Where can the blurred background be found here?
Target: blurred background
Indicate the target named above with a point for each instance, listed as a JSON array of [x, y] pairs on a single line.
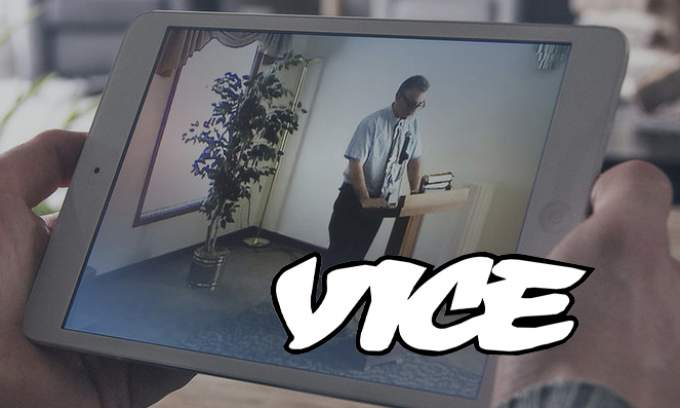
[[55, 56]]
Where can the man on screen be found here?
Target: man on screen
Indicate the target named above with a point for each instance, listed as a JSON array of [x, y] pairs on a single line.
[[385, 145]]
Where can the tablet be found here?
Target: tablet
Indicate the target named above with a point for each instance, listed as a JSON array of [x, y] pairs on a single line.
[[227, 147]]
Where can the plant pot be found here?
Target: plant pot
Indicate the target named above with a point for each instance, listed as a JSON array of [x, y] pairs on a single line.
[[206, 268]]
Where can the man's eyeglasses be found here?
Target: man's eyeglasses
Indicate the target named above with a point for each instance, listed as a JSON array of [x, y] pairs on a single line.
[[413, 105]]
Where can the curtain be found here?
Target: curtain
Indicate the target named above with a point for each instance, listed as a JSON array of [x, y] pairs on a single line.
[[181, 45], [550, 56]]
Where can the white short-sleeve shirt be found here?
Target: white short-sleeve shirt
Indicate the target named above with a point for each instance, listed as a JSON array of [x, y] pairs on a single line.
[[371, 146]]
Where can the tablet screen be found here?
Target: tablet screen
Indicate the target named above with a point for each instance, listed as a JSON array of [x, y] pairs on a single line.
[[254, 149]]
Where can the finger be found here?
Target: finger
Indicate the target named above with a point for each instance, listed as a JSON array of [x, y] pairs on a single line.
[[35, 169], [119, 383], [629, 224], [23, 238], [150, 384], [634, 193], [50, 220]]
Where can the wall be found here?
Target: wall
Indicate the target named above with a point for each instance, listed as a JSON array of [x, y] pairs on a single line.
[[118, 243], [487, 118], [191, 102]]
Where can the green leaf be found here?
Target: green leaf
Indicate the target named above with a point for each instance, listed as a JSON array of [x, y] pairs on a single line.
[[242, 134]]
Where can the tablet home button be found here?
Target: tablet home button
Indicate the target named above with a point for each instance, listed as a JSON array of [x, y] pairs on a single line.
[[553, 217]]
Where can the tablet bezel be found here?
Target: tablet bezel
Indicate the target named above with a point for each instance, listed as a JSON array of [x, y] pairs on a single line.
[[583, 114]]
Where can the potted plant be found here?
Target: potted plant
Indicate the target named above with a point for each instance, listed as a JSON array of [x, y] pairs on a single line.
[[241, 139]]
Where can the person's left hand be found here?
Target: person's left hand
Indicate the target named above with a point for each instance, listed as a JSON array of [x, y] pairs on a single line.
[[374, 203], [34, 376]]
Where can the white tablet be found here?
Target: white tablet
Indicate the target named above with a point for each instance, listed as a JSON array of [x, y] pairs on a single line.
[[227, 147]]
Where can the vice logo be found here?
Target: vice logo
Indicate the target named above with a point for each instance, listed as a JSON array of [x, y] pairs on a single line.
[[502, 305]]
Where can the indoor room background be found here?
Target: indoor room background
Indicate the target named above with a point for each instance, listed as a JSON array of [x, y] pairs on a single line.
[[488, 113]]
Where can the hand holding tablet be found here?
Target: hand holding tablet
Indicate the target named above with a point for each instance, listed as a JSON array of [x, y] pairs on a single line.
[[114, 278], [633, 288], [38, 376]]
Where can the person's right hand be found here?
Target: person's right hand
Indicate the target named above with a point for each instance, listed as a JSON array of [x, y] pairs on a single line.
[[628, 310], [374, 203]]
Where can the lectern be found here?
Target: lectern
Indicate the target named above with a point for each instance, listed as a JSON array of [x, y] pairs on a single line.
[[410, 212]]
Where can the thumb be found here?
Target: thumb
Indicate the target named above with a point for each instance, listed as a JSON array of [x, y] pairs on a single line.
[[635, 193]]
